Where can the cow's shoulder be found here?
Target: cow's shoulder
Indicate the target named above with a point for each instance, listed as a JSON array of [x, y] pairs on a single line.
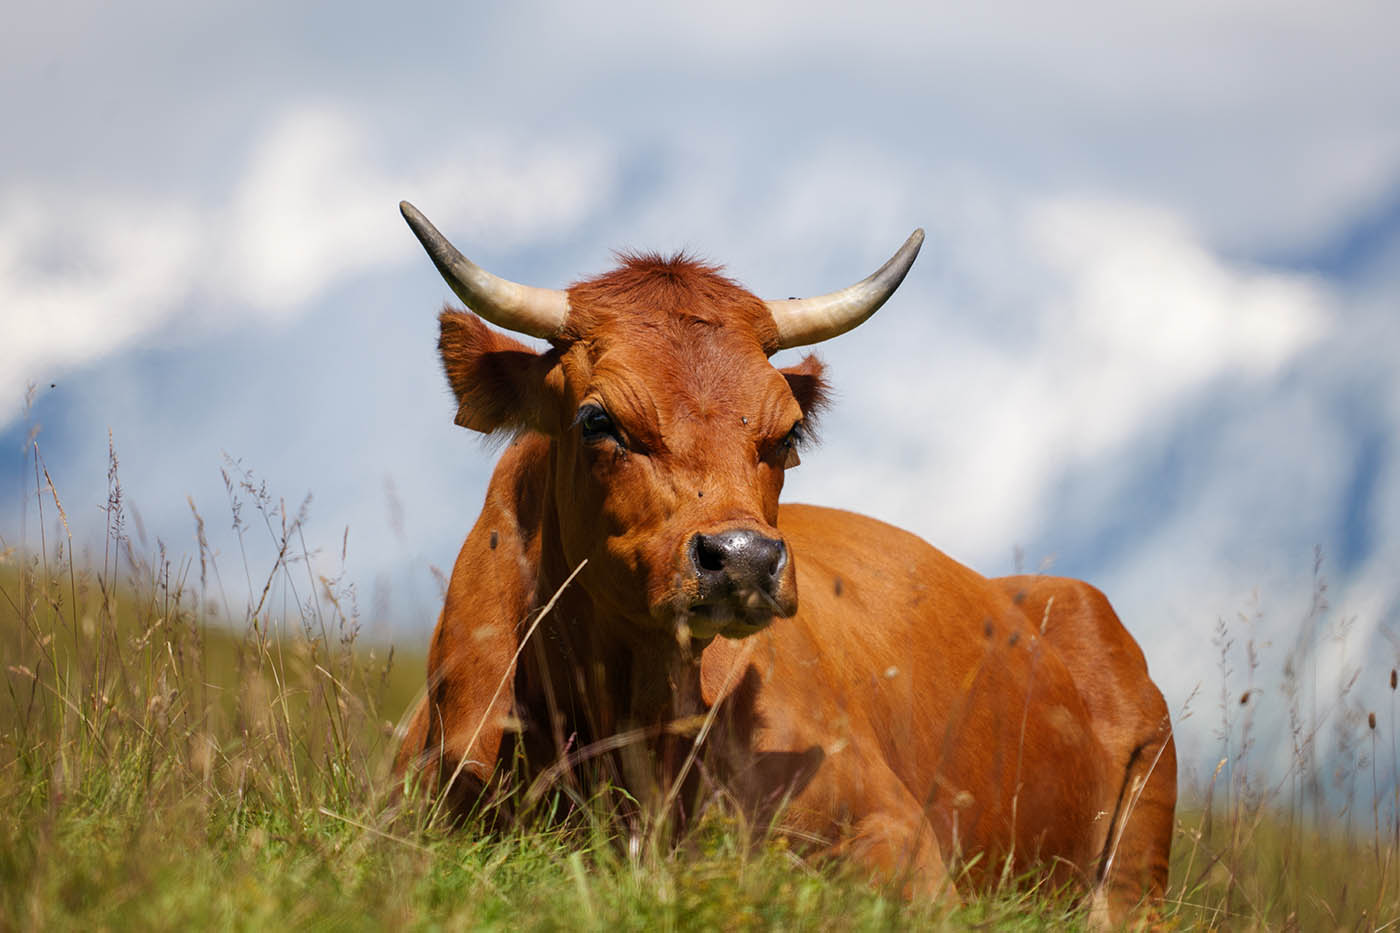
[[497, 567]]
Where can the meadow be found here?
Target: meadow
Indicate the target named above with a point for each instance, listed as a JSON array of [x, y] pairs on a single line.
[[204, 740]]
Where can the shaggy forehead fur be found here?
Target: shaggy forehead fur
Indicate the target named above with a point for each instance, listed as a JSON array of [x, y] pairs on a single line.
[[679, 295]]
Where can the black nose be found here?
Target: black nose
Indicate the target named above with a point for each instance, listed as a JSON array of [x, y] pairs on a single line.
[[741, 557]]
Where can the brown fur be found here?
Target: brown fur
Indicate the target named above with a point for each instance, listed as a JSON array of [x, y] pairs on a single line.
[[911, 713]]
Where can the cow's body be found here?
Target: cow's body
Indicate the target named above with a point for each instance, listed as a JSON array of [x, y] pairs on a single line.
[[904, 710]]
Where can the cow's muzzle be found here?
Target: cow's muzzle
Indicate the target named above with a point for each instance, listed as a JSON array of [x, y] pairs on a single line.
[[739, 581]]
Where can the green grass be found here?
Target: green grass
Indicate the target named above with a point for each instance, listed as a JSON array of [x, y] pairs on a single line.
[[176, 756]]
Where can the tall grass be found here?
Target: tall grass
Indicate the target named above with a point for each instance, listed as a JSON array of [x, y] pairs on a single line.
[[204, 741], [1297, 826], [148, 704]]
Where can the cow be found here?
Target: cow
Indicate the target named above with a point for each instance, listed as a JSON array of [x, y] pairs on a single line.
[[837, 679]]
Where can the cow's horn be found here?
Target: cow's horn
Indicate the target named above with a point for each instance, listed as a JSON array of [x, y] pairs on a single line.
[[811, 320], [539, 312]]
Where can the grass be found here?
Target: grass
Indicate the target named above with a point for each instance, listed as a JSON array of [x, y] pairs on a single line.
[[176, 752]]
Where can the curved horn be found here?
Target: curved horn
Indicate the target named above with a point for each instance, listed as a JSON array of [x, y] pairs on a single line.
[[811, 320], [539, 312]]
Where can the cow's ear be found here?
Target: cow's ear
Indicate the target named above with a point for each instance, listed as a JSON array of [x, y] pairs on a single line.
[[807, 382], [498, 381]]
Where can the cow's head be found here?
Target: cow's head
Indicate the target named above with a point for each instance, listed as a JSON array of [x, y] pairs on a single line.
[[671, 429]]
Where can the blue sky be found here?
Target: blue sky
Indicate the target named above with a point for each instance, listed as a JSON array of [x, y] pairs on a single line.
[[1150, 339]]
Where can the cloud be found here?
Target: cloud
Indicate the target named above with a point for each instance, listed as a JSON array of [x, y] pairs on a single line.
[[312, 208], [1145, 312], [83, 276], [1124, 317], [309, 210], [1269, 126]]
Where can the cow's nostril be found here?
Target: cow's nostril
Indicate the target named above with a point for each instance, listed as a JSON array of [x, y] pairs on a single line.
[[779, 560], [709, 553]]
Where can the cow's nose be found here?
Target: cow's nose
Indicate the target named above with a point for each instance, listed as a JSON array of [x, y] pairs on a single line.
[[740, 556]]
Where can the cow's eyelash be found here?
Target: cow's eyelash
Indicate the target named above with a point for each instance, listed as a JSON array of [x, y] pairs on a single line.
[[596, 423], [792, 442]]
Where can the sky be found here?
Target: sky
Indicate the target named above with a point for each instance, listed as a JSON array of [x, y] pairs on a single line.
[[1149, 341]]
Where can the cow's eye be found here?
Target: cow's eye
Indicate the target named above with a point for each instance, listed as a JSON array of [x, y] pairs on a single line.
[[596, 424], [792, 442]]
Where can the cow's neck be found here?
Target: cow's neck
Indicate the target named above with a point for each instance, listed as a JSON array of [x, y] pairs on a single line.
[[625, 675]]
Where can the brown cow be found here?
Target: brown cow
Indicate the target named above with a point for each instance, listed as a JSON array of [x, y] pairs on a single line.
[[905, 711]]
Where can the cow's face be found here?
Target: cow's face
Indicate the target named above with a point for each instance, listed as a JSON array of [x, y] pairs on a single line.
[[676, 437], [672, 435], [671, 430]]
